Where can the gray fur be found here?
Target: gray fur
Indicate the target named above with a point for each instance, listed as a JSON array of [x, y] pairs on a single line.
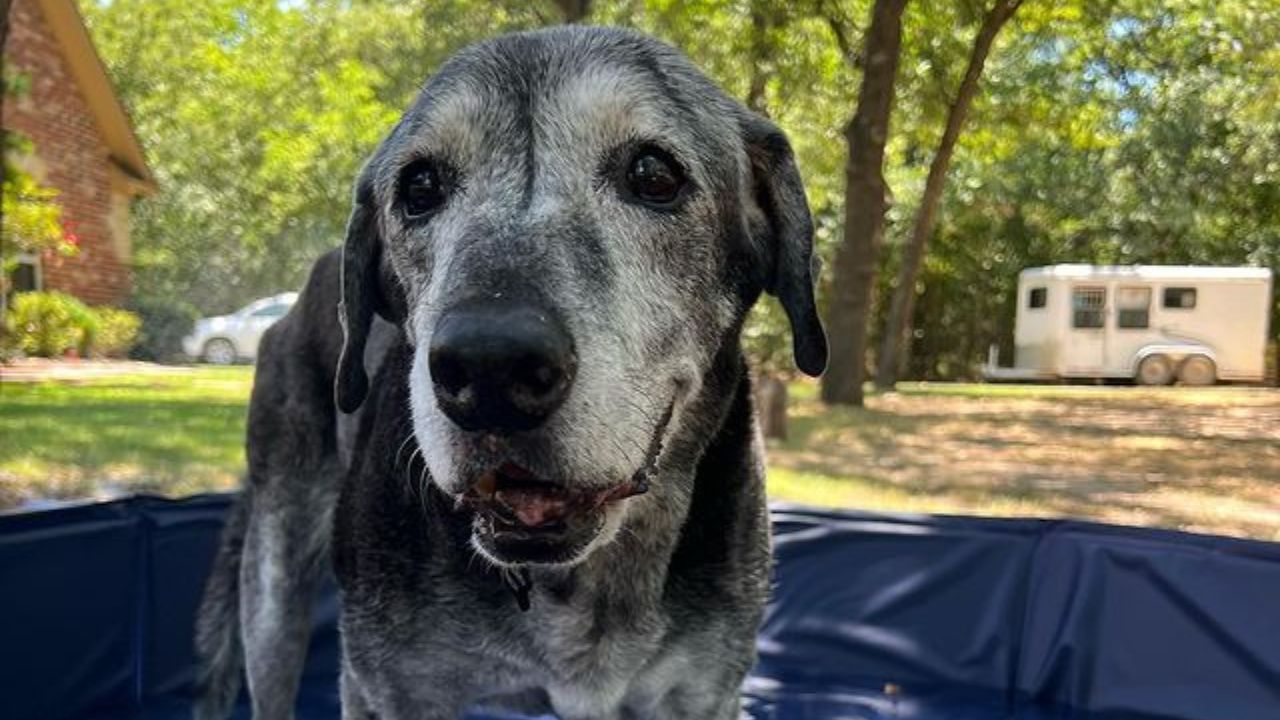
[[255, 612], [654, 614]]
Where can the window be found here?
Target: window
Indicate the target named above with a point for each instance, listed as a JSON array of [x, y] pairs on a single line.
[[1180, 298], [277, 310], [1087, 304], [26, 273], [1133, 306], [1037, 298]]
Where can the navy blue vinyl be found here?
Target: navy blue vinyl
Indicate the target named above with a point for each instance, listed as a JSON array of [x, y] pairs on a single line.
[[873, 617]]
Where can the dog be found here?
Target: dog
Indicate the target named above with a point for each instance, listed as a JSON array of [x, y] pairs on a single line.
[[550, 497]]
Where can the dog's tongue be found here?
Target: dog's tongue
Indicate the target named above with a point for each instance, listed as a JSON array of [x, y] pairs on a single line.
[[534, 507]]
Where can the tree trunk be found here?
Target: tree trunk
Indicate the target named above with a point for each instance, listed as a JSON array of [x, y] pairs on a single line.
[[4, 23], [771, 406], [854, 271], [574, 11], [760, 54], [1275, 369], [898, 324]]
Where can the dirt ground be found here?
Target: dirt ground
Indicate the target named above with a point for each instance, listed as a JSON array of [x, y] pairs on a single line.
[[32, 370], [1205, 460]]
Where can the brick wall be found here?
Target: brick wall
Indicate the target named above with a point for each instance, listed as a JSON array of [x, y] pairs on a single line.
[[70, 156]]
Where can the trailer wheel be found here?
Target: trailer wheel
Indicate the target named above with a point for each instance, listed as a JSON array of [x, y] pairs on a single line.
[[1198, 371], [1155, 370]]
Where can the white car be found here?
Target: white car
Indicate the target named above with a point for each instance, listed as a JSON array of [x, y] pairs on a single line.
[[225, 339]]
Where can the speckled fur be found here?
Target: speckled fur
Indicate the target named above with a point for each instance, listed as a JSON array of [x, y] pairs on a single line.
[[656, 616]]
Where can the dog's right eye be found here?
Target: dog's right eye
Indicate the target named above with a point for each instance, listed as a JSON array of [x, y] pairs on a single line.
[[423, 189], [654, 178]]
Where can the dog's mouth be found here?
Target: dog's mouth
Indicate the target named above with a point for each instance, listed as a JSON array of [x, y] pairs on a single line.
[[522, 517], [520, 501]]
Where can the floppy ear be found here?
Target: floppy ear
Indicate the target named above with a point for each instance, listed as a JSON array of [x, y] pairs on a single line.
[[792, 266], [368, 286]]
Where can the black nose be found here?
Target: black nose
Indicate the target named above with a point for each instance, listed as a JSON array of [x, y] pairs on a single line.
[[500, 367]]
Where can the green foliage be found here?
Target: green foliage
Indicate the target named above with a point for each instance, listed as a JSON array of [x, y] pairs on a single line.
[[49, 324], [767, 340], [85, 319], [32, 218], [117, 331], [1112, 132], [1126, 131], [164, 322], [257, 115]]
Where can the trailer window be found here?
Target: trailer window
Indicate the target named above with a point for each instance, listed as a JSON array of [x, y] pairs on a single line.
[[1037, 298], [1133, 307], [1180, 298], [1087, 305]]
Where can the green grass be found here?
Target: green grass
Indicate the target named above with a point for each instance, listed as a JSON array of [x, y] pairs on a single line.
[[172, 433], [864, 493], [1205, 460]]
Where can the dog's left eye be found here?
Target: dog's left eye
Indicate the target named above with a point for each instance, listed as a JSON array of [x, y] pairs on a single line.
[[654, 177], [423, 189]]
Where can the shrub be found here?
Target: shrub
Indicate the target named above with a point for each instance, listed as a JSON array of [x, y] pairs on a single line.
[[86, 321], [48, 324], [164, 324], [117, 331]]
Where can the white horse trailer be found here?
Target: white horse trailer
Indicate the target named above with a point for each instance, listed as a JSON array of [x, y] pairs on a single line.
[[1154, 324]]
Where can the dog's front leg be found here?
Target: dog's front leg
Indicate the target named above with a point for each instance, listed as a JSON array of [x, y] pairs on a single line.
[[354, 704], [278, 576], [701, 699], [387, 695], [727, 707]]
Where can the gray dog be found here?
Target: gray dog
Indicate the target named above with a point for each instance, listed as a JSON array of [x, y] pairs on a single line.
[[554, 501]]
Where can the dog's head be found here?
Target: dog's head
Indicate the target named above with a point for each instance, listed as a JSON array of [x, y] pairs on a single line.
[[569, 224]]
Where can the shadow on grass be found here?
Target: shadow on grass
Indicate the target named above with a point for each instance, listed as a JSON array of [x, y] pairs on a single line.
[[1206, 466]]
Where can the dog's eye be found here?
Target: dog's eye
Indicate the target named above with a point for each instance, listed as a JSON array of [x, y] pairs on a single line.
[[423, 189], [654, 177]]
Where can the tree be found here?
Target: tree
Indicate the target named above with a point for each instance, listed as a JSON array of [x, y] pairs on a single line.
[[30, 216], [1105, 131], [857, 256], [256, 116], [574, 11], [898, 323]]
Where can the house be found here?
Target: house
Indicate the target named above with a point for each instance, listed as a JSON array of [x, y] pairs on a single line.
[[84, 146]]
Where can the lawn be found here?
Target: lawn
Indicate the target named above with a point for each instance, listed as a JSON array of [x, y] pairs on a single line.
[[174, 433], [1205, 460]]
